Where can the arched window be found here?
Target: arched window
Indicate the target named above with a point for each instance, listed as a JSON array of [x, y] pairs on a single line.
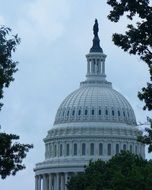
[[61, 149], [67, 149], [130, 148], [86, 112], [92, 112], [91, 149], [99, 112], [109, 149], [83, 149], [124, 147], [117, 148], [75, 149], [100, 149], [55, 150]]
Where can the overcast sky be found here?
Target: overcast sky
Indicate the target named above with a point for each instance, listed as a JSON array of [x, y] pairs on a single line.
[[55, 37]]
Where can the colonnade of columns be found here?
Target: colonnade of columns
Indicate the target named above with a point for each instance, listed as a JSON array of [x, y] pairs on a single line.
[[52, 181]]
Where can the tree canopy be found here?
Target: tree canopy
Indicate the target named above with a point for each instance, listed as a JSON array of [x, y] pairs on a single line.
[[11, 151], [137, 40], [124, 171]]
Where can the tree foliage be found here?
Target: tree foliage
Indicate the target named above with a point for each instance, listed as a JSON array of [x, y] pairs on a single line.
[[12, 152], [124, 171], [7, 65], [147, 137], [137, 39]]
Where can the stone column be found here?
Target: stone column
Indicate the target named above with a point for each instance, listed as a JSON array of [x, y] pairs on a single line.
[[36, 182], [39, 182], [103, 67], [50, 181], [92, 66], [88, 67], [99, 62], [47, 182], [66, 180], [57, 181], [62, 182], [44, 182]]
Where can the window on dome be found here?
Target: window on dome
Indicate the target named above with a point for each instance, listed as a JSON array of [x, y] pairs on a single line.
[[73, 112], [55, 153], [83, 149], [106, 112], [68, 113], [67, 149], [124, 114], [124, 147], [86, 112], [128, 114], [100, 149], [113, 113], [118, 113], [79, 112], [91, 149], [130, 148], [109, 149], [92, 112], [61, 150], [117, 148], [99, 112], [63, 113], [75, 149]]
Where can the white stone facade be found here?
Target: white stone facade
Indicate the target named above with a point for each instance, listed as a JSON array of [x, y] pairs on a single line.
[[94, 122]]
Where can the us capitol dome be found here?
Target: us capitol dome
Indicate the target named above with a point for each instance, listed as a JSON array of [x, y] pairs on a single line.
[[93, 122]]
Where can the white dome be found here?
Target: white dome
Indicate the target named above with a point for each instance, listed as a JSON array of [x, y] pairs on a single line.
[[95, 102], [93, 122]]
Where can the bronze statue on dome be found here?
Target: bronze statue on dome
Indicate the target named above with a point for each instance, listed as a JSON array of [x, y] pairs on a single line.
[[96, 28]]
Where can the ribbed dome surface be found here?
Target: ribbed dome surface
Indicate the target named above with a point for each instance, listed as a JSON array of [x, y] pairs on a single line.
[[95, 103]]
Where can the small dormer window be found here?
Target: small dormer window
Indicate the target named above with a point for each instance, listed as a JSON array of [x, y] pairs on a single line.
[[99, 112], [113, 113], [68, 113], [106, 112], [73, 112], [86, 112], [124, 114], [118, 113], [79, 112], [92, 112]]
